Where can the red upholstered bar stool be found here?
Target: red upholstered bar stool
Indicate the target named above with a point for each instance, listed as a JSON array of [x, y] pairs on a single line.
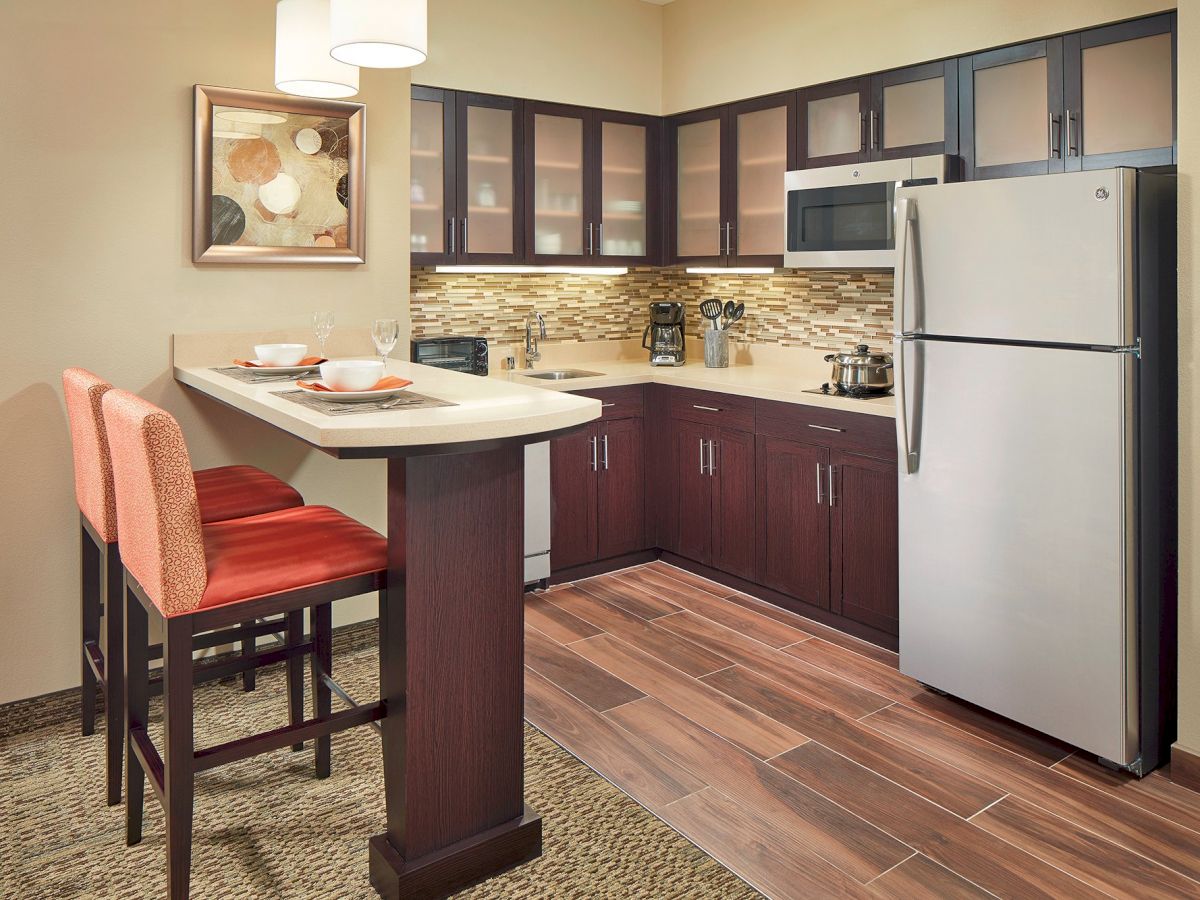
[[227, 492], [191, 578]]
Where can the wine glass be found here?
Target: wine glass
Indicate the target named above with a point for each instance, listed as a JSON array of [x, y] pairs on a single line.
[[322, 326], [385, 333]]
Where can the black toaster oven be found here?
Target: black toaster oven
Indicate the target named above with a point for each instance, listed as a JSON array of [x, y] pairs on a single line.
[[455, 354]]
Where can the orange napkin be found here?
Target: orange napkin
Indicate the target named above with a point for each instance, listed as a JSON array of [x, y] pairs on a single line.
[[383, 384], [307, 361]]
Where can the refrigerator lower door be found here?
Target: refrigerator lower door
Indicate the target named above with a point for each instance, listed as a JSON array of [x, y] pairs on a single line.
[[1045, 259], [1017, 536]]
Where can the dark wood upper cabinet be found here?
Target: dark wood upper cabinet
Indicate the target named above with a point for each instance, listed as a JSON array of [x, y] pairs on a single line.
[[1011, 111], [490, 179], [726, 167], [433, 180], [627, 187], [914, 111], [864, 552], [1120, 96], [834, 123]]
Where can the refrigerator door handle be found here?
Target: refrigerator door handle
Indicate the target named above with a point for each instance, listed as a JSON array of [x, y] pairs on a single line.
[[907, 213], [908, 459]]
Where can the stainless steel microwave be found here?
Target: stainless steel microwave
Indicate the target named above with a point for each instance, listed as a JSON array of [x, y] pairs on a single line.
[[843, 217]]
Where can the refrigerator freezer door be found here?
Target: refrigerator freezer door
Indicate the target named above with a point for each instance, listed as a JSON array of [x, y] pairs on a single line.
[[1046, 259], [1017, 536]]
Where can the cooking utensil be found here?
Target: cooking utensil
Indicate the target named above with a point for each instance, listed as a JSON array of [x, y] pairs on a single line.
[[861, 371], [735, 315], [711, 310], [728, 310]]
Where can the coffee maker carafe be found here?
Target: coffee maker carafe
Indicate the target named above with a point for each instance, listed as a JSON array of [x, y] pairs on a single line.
[[663, 337]]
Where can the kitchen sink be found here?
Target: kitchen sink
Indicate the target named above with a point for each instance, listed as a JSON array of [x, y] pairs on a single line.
[[560, 374]]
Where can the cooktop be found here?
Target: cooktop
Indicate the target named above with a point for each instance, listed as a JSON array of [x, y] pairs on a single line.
[[833, 391]]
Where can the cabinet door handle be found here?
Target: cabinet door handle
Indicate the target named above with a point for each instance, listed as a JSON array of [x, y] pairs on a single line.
[[874, 118], [606, 453], [706, 408], [453, 234], [832, 495], [600, 239], [862, 133], [712, 459], [592, 444], [1072, 150], [820, 499], [826, 427], [702, 456], [464, 236], [1055, 150], [589, 234], [729, 239]]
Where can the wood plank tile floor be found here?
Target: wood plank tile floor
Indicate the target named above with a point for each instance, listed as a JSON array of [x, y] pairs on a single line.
[[804, 761]]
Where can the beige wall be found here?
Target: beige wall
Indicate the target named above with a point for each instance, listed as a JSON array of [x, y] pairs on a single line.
[[1189, 386], [605, 53], [95, 271], [715, 51]]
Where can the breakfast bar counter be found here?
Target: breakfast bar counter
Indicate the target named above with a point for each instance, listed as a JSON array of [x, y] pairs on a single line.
[[450, 621]]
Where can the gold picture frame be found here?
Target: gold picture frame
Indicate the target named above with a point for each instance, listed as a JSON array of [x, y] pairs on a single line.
[[246, 141]]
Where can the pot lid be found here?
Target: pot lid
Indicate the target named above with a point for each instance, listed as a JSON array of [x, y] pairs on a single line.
[[860, 356]]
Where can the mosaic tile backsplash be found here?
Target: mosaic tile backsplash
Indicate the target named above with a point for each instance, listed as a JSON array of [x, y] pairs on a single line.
[[812, 309]]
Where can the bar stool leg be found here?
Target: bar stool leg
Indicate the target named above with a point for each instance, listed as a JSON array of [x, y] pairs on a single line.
[[137, 710], [178, 775], [248, 647], [114, 670], [295, 672], [322, 663], [89, 602]]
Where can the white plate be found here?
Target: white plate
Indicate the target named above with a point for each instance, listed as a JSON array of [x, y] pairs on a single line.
[[352, 396], [279, 370]]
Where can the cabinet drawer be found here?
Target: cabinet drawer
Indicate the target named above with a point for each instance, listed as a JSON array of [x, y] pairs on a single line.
[[869, 435], [712, 408], [625, 402]]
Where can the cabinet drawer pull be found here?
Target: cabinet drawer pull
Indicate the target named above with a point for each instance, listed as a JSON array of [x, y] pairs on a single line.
[[826, 427], [706, 408], [606, 405]]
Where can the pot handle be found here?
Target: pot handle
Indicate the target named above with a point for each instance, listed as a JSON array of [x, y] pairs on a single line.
[[883, 366], [829, 357]]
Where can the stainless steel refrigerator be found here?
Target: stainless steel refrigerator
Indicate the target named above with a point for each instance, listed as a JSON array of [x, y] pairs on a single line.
[[1035, 380]]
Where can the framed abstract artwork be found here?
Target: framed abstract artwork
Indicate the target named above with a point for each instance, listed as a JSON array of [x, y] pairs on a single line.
[[278, 179]]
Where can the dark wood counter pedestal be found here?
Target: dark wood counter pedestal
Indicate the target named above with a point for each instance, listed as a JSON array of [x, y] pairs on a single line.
[[451, 663]]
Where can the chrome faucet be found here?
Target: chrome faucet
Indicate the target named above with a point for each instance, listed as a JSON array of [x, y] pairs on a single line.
[[532, 354]]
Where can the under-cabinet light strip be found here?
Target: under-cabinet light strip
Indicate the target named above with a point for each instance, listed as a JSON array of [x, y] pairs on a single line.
[[533, 270]]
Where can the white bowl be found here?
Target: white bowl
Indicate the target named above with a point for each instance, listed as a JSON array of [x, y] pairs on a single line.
[[280, 354], [352, 374]]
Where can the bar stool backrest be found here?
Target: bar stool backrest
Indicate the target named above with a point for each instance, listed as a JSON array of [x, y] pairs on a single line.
[[89, 446], [158, 516]]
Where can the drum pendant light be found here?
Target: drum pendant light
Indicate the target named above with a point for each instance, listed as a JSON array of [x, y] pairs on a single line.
[[303, 65], [379, 34]]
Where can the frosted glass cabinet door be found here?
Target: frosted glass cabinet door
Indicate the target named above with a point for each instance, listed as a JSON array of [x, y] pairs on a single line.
[[1120, 94], [762, 142], [558, 223], [623, 194], [1013, 118], [914, 113], [489, 189], [699, 227], [833, 118], [431, 200]]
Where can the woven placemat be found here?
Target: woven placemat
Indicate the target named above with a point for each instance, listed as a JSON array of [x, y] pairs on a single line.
[[407, 400], [260, 376]]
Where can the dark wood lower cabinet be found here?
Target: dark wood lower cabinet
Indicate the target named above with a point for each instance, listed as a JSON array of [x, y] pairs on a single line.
[[694, 491], [734, 503], [793, 521], [573, 524], [620, 489], [864, 561]]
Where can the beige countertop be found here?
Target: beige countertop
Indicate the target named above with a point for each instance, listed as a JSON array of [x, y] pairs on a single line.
[[760, 381], [486, 409]]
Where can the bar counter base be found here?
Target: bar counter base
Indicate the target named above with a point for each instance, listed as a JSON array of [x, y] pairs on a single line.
[[458, 866]]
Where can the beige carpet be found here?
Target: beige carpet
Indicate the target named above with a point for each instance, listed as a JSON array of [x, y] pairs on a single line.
[[266, 828]]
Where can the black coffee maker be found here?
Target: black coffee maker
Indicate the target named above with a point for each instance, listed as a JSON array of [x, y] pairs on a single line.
[[663, 337]]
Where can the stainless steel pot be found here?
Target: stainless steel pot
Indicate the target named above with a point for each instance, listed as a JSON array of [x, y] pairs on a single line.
[[861, 372]]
